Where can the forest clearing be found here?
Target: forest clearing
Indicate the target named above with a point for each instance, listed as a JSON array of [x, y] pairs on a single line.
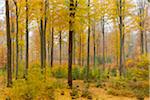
[[74, 49]]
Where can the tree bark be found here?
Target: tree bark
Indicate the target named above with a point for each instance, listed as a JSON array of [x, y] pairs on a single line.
[[17, 45], [60, 46], [94, 45], [80, 50], [88, 47], [27, 42], [121, 38], [103, 36], [52, 48], [146, 44], [9, 68], [13, 43], [74, 49], [44, 33], [141, 15], [70, 47]]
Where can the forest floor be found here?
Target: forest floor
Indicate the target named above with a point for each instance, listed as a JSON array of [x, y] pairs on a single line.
[[97, 93], [64, 94]]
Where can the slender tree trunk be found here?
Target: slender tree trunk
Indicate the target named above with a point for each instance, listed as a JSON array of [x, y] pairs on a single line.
[[13, 44], [44, 33], [82, 54], [80, 49], [141, 13], [13, 61], [103, 34], [60, 47], [146, 46], [74, 49], [9, 68], [27, 42], [52, 48], [17, 45], [49, 50], [94, 44], [121, 38], [70, 47], [88, 47]]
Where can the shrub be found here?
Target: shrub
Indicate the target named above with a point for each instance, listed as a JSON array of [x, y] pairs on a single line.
[[76, 73], [34, 88], [59, 72]]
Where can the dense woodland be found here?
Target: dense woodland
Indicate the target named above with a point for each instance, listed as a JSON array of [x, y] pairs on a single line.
[[74, 49]]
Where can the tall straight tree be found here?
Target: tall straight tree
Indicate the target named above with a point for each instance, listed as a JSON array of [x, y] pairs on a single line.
[[52, 39], [103, 36], [60, 46], [13, 42], [88, 47], [94, 43], [41, 41], [9, 68], [44, 33], [52, 46], [71, 32], [141, 24], [17, 45], [27, 41], [121, 36]]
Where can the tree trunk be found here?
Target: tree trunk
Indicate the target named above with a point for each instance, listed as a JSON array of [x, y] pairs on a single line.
[[17, 45], [27, 42], [70, 47], [88, 47], [74, 49], [60, 46], [80, 49], [41, 43], [44, 33], [49, 50], [141, 14], [9, 68], [52, 48], [146, 44], [13, 43], [94, 44], [121, 38], [103, 34]]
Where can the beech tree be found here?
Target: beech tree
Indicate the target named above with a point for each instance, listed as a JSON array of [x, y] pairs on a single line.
[[9, 68]]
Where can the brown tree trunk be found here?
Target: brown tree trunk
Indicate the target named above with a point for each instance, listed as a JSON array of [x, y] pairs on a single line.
[[74, 49], [13, 43], [9, 68], [60, 46], [94, 45], [80, 50], [44, 34], [88, 47], [52, 48], [121, 38], [41, 40], [141, 15], [103, 36], [146, 44], [17, 45], [70, 47], [27, 42]]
